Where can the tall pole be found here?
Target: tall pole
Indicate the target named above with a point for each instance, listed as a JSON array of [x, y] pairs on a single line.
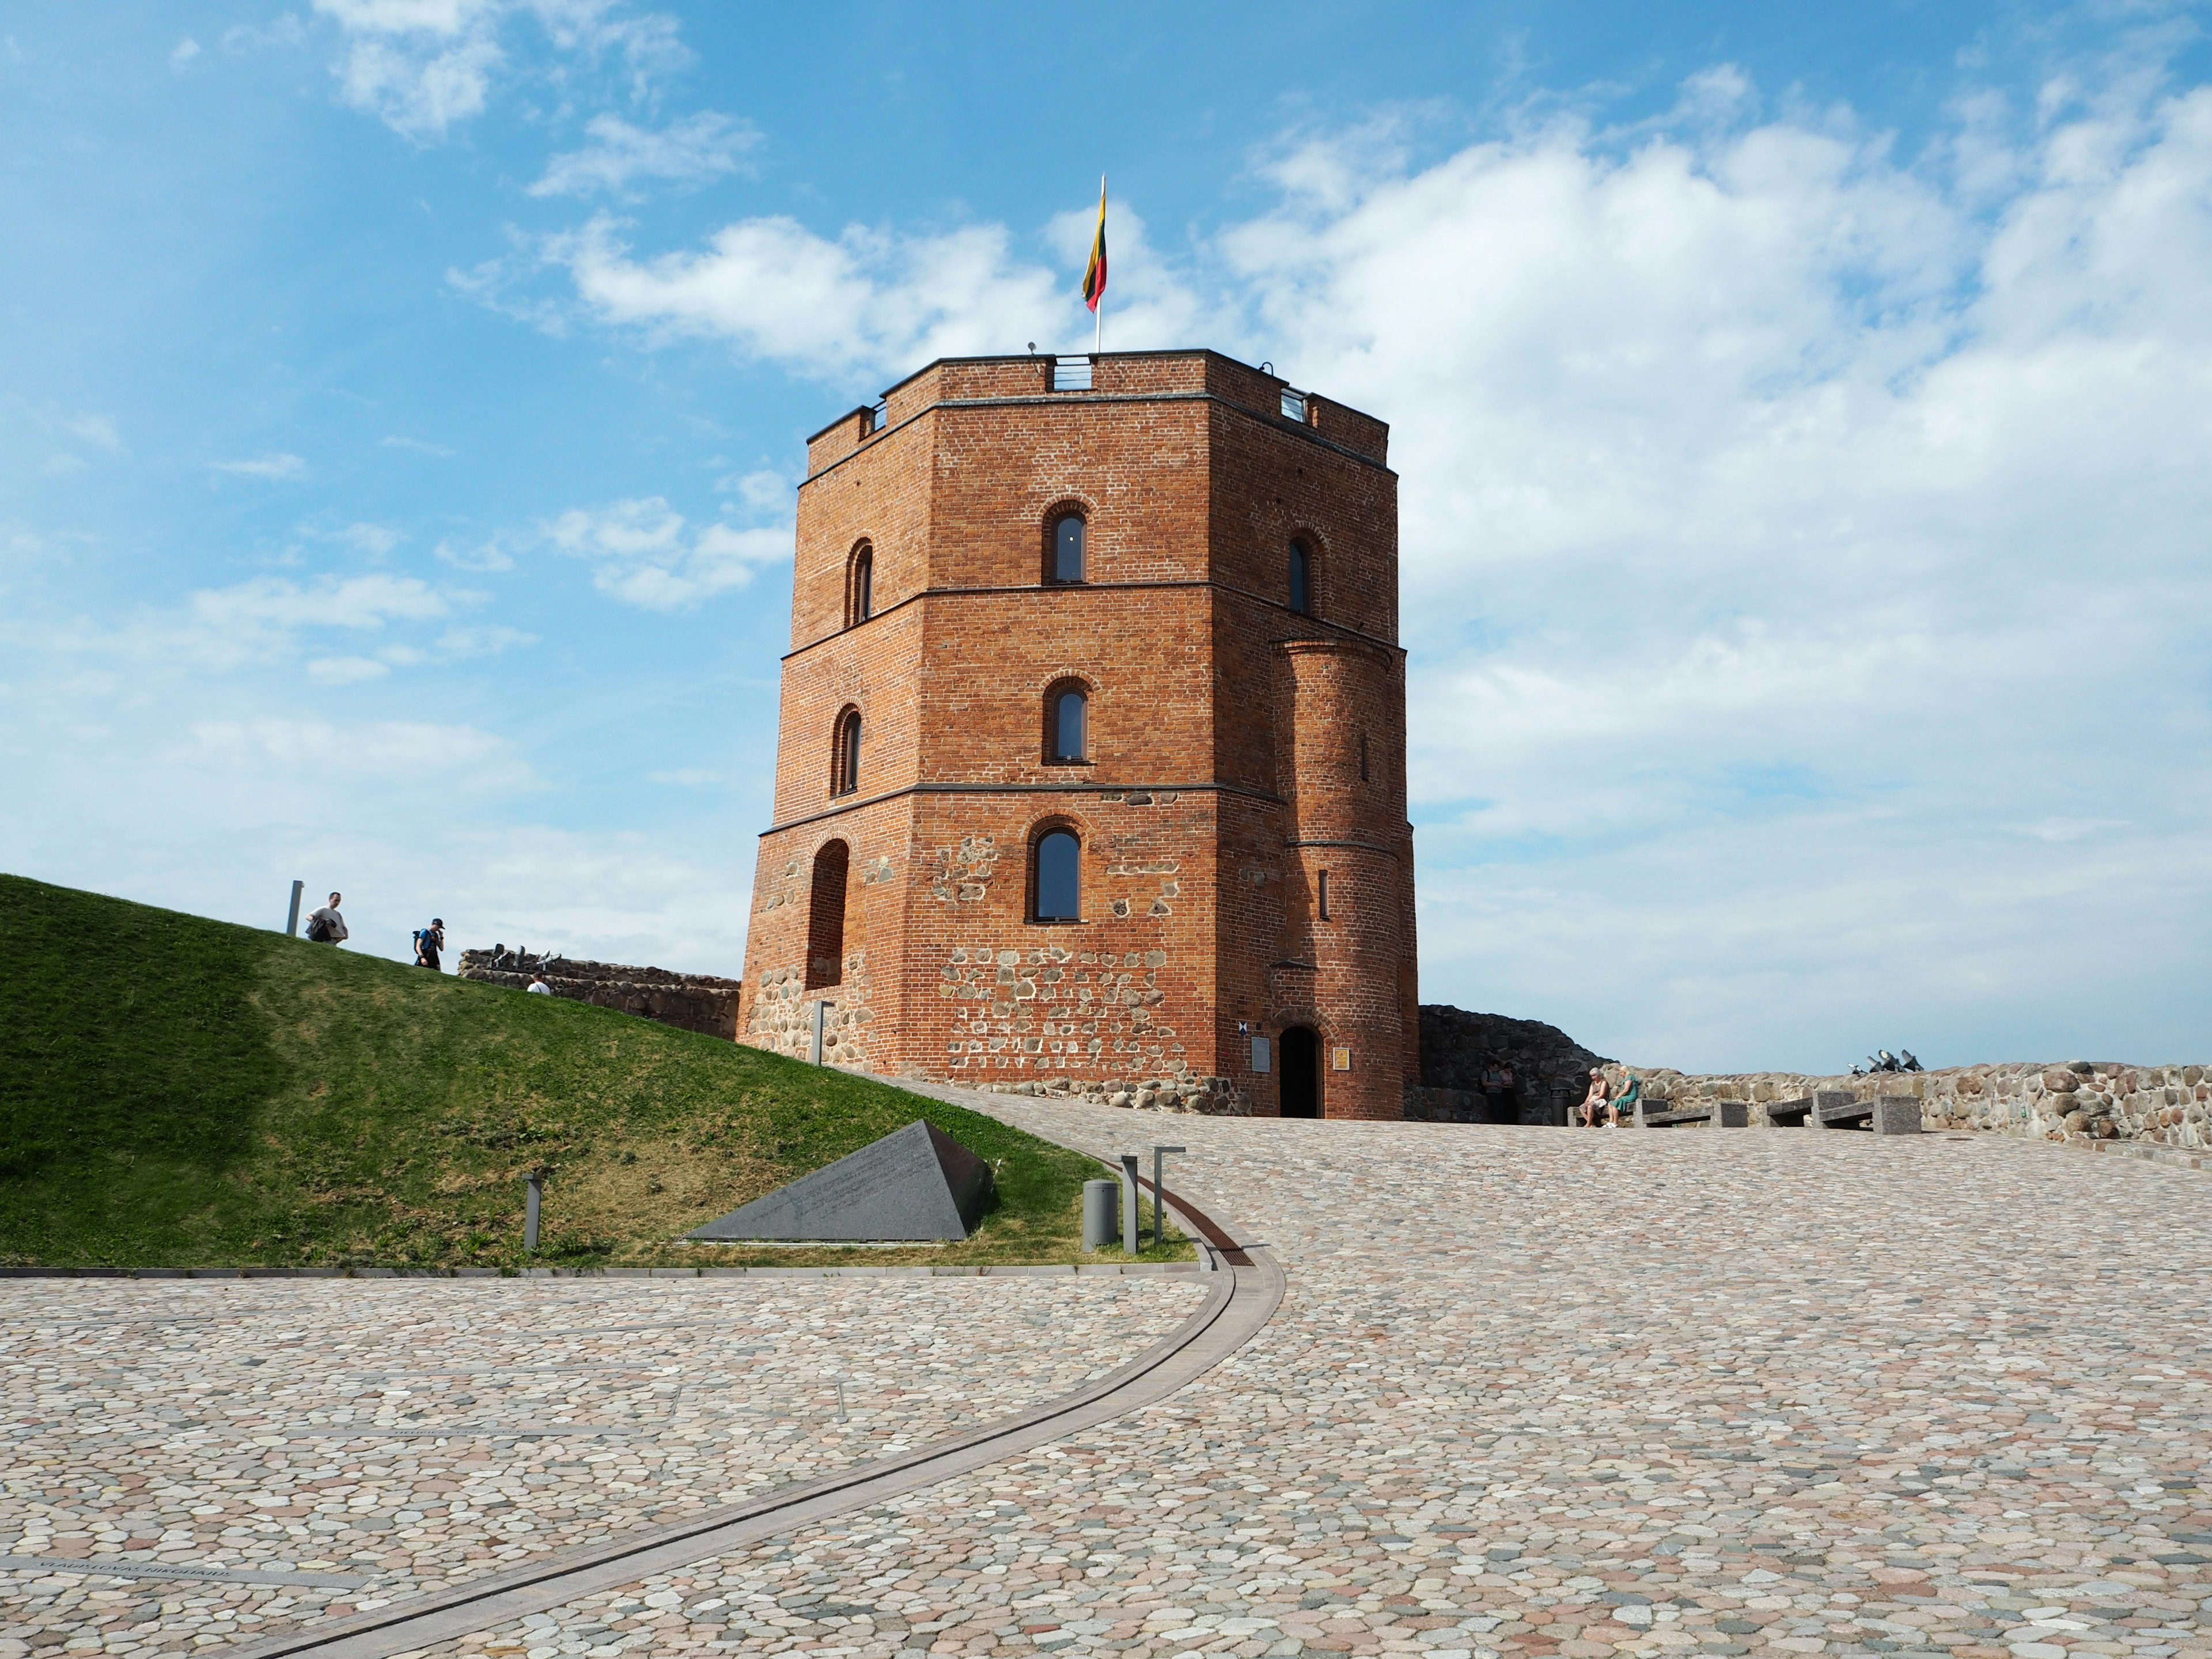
[[1098, 338], [292, 922]]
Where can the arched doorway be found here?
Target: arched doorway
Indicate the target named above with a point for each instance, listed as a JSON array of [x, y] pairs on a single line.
[[825, 920], [1301, 1072]]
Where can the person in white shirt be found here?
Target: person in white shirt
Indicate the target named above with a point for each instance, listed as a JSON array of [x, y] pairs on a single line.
[[326, 925], [538, 988]]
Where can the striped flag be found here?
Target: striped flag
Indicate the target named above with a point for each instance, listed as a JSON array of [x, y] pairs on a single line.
[[1094, 274]]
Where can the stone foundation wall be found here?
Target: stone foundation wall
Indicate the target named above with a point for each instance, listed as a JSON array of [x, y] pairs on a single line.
[[2080, 1100], [691, 1002]]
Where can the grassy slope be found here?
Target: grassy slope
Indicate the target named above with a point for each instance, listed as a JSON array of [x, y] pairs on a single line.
[[176, 1091]]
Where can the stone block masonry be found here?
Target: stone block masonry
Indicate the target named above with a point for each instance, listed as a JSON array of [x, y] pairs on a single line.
[[692, 1002], [2089, 1101], [1199, 893]]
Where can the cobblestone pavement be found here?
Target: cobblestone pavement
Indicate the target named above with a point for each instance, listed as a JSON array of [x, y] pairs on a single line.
[[1540, 1392], [393, 1435]]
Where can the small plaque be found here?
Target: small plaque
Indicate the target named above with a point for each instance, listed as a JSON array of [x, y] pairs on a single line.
[[1260, 1057], [1340, 1060]]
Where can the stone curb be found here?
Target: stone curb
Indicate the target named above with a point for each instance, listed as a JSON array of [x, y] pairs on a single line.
[[1088, 1270]]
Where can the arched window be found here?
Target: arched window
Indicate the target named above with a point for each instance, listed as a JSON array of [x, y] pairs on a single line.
[[1064, 558], [1302, 579], [825, 917], [1056, 877], [1066, 724], [860, 586], [845, 754]]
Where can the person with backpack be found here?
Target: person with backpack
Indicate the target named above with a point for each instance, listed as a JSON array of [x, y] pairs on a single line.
[[428, 941], [326, 925]]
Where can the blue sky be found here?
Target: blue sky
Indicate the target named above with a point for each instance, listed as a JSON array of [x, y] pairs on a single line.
[[1801, 413]]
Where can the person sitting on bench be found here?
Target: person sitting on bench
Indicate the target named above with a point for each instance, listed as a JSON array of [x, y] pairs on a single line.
[[1600, 1096]]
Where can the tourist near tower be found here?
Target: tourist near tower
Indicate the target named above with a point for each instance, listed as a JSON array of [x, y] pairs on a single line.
[[1090, 765]]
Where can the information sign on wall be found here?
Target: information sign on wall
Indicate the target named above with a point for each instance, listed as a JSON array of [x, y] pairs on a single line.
[[1340, 1060]]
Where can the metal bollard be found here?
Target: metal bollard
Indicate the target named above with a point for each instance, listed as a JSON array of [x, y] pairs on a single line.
[[1160, 1195], [536, 1191], [1129, 1214], [292, 922], [1101, 1208]]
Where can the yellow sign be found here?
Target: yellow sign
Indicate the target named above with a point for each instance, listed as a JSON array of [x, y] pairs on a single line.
[[1340, 1060]]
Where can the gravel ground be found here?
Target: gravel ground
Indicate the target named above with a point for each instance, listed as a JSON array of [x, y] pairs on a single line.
[[1540, 1392], [391, 1436]]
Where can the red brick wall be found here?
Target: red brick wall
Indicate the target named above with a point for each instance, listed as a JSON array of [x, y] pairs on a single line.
[[1223, 734]]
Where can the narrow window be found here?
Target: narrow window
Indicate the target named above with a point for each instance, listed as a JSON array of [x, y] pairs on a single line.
[[1320, 887], [1068, 550], [862, 587], [1067, 712], [844, 755], [1058, 877], [1301, 579], [825, 917], [1363, 757]]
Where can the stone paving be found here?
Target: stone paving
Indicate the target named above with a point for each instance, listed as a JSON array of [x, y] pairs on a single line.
[[391, 1435], [1538, 1392]]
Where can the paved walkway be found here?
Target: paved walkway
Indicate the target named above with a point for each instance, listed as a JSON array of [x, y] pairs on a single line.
[[1537, 1391], [347, 1443]]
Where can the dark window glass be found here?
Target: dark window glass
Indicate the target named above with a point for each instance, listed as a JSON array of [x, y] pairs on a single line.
[[1301, 579], [849, 755], [863, 585], [1058, 878], [1322, 887], [1068, 550], [1067, 726]]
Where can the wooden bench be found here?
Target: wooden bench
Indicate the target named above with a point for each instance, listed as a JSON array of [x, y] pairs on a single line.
[[1720, 1114]]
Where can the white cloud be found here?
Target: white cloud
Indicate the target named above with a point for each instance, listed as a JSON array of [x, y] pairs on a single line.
[[645, 553], [95, 429], [181, 54], [485, 555], [417, 445], [690, 151], [763, 491], [781, 292], [866, 300], [263, 466], [381, 748], [424, 66], [374, 539], [346, 670]]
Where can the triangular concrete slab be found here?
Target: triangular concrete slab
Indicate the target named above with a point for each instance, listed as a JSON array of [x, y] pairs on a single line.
[[916, 1183]]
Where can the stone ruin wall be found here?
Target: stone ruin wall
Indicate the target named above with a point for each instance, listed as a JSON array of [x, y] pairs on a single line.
[[690, 1002], [1551, 1071], [2079, 1101]]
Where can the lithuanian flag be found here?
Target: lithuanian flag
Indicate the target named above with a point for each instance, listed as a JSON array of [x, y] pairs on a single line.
[[1094, 274]]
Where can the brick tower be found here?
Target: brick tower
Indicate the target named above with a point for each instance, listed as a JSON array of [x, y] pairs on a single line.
[[1092, 767]]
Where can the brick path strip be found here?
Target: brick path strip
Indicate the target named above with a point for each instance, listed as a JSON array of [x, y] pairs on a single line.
[[1243, 1297]]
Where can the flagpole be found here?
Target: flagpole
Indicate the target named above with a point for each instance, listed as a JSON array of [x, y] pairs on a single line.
[[1098, 339]]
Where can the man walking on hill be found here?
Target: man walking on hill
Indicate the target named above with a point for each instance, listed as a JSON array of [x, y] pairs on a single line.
[[326, 925], [428, 941]]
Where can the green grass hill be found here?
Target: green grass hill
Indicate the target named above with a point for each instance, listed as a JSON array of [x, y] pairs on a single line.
[[181, 1092]]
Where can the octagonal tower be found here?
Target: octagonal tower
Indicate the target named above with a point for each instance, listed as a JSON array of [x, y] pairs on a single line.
[[1091, 769]]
